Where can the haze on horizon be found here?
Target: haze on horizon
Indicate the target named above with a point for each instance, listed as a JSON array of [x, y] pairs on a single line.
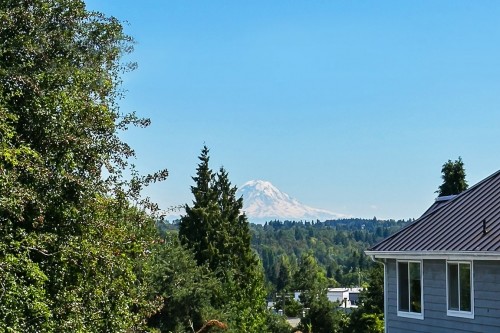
[[351, 107]]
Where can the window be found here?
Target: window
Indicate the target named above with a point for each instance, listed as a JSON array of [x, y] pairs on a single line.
[[410, 289], [460, 293]]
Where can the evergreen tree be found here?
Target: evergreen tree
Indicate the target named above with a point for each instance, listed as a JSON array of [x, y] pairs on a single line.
[[219, 235], [372, 297], [284, 274], [197, 226], [311, 281], [369, 316], [453, 174]]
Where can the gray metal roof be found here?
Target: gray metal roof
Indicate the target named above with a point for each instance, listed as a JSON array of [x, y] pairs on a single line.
[[454, 225]]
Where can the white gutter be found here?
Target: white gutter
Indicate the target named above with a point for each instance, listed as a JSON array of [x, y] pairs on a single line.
[[447, 255]]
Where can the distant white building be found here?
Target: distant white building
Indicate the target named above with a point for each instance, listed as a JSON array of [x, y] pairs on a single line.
[[347, 297], [341, 295]]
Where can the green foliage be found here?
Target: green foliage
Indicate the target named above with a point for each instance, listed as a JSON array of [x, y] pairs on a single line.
[[245, 305], [310, 273], [277, 324], [219, 236], [186, 290], [453, 174], [284, 277], [197, 228], [292, 308], [23, 303], [323, 317], [311, 281], [312, 277], [369, 317], [337, 246], [372, 297], [364, 322], [73, 252]]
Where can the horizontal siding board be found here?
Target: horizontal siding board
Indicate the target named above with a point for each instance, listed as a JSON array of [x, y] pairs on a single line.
[[487, 295], [488, 310], [430, 292], [435, 306], [438, 326]]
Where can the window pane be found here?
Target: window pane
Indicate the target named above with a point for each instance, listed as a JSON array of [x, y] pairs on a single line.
[[453, 287], [403, 286], [415, 287], [465, 294]]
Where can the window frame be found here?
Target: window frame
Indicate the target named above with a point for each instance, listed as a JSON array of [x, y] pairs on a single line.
[[459, 313], [409, 313]]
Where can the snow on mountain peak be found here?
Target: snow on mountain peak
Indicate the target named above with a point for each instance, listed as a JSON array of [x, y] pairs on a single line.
[[262, 201], [260, 189]]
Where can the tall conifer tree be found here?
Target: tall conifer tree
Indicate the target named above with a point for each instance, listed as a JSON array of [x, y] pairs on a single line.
[[215, 228], [453, 174], [235, 240], [196, 226]]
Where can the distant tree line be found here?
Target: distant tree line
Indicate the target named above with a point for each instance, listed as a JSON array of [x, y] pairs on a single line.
[[338, 246]]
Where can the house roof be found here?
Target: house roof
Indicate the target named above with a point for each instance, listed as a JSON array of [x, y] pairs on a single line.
[[455, 224]]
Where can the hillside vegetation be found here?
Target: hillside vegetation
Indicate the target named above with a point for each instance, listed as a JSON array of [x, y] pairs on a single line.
[[336, 245]]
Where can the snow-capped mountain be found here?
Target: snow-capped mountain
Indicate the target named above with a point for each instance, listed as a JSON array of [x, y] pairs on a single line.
[[262, 201]]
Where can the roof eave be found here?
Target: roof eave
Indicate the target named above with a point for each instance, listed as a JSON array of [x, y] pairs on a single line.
[[446, 255]]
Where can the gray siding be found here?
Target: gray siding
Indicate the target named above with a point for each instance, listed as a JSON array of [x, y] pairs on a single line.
[[486, 301]]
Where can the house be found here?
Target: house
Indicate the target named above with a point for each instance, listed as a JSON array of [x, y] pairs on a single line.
[[442, 272]]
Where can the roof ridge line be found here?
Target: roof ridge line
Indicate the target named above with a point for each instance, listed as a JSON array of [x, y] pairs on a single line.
[[457, 196], [437, 209]]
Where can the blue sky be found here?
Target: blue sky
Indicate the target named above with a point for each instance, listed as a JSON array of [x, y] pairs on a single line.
[[351, 106]]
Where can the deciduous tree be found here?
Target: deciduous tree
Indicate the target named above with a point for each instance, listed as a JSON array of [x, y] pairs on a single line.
[[185, 289], [71, 245]]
